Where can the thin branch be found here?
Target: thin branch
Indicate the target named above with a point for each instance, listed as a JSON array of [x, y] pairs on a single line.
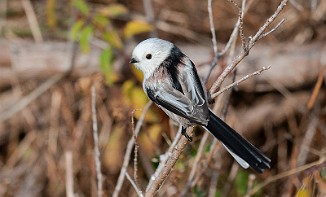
[[244, 53], [212, 28], [195, 164], [69, 175], [129, 150], [24, 102], [272, 30], [148, 8], [232, 39], [288, 173], [32, 20], [213, 184], [236, 83], [163, 159], [166, 165], [139, 192], [250, 184], [240, 17], [307, 139], [267, 23], [135, 150], [96, 145]]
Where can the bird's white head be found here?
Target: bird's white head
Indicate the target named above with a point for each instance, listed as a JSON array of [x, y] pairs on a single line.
[[149, 54]]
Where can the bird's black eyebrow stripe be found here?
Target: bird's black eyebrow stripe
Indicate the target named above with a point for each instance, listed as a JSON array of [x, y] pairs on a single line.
[[171, 64]]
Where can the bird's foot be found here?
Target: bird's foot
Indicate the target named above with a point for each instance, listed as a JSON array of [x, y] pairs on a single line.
[[209, 99], [184, 133]]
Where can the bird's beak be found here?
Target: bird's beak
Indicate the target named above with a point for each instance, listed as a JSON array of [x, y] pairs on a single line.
[[133, 60]]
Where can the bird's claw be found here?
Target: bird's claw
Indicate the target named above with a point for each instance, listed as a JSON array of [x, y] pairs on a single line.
[[184, 133]]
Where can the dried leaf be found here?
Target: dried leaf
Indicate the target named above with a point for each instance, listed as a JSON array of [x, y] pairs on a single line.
[[136, 27], [149, 139], [306, 188], [50, 13], [113, 153], [113, 10]]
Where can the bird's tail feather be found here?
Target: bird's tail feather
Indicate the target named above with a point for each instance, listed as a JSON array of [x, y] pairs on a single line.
[[242, 150]]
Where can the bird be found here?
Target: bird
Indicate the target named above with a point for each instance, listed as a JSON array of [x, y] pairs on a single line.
[[171, 81]]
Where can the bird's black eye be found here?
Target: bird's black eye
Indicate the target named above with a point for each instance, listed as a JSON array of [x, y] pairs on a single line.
[[149, 56]]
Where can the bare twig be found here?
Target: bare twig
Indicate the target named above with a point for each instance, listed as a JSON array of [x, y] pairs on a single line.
[[240, 17], [69, 175], [250, 184], [212, 28], [232, 38], [24, 102], [272, 30], [32, 20], [135, 150], [236, 83], [163, 159], [307, 139], [170, 158], [150, 15], [213, 184], [288, 173], [128, 151], [233, 173], [96, 144], [139, 192], [195, 164], [251, 43]]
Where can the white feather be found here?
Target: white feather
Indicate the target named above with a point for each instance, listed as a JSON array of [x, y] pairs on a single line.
[[242, 162]]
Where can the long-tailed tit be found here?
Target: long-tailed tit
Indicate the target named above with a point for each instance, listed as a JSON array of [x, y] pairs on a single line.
[[171, 82]]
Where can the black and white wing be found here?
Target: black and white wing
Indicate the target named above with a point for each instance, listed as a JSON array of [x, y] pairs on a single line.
[[180, 92]]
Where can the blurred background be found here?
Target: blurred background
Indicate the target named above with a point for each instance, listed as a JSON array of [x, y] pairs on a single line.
[[52, 52]]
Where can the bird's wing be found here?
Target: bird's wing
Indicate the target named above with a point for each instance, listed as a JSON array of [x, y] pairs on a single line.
[[190, 103], [174, 101], [191, 84]]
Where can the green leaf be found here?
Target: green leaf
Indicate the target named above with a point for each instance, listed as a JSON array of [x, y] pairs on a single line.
[[106, 59], [85, 35], [241, 182], [75, 29], [113, 10], [82, 6], [136, 27], [100, 21], [113, 38]]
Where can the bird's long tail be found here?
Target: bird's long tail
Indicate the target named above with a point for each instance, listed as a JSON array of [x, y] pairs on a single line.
[[244, 152]]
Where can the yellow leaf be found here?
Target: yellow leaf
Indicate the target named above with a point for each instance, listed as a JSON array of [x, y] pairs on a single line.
[[127, 87], [135, 97], [139, 98], [113, 153], [113, 10], [113, 38], [149, 139], [50, 12], [136, 27], [306, 188]]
